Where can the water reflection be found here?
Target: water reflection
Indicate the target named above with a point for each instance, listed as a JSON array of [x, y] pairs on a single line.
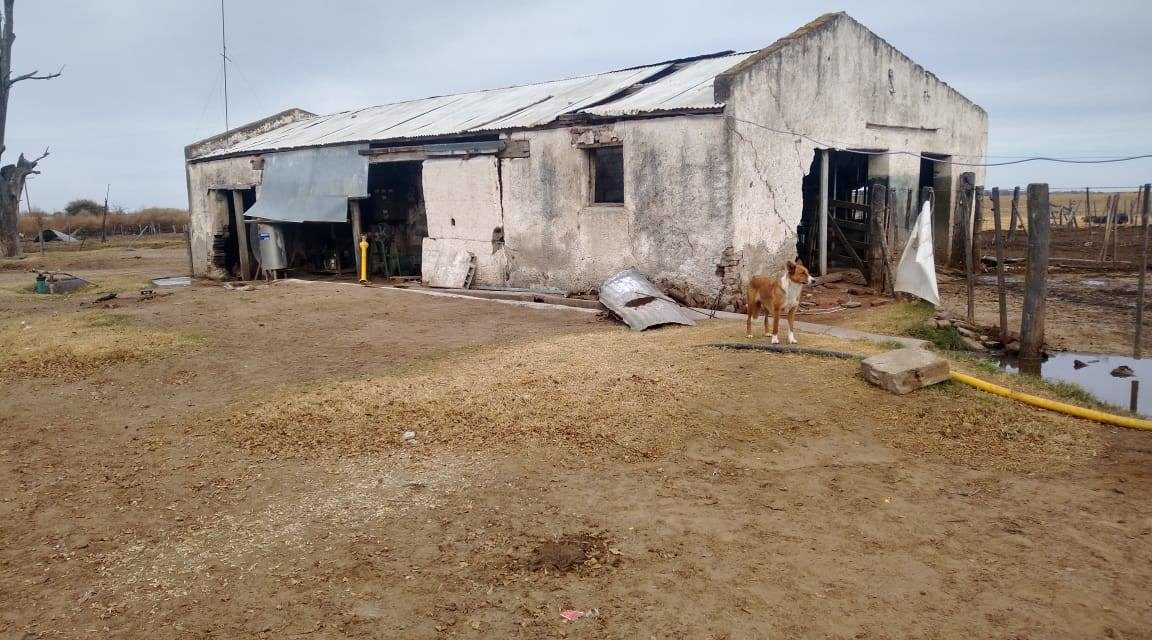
[[1093, 372]]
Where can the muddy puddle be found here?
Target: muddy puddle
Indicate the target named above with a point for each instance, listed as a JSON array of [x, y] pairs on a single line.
[[1093, 372]]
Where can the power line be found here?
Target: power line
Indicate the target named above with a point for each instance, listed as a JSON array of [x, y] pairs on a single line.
[[942, 160]]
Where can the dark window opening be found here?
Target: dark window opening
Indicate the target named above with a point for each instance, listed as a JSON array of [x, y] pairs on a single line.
[[607, 175]]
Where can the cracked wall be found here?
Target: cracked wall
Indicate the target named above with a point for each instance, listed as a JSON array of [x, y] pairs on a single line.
[[462, 199], [830, 85], [673, 226], [208, 213]]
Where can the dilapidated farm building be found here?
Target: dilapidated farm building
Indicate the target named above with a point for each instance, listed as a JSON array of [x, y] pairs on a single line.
[[673, 168]]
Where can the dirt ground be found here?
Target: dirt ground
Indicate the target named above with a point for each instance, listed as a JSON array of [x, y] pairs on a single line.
[[254, 480]]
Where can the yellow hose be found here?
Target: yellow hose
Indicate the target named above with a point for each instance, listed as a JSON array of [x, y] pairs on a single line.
[[1052, 405]]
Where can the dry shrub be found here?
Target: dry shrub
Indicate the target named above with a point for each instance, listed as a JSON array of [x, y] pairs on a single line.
[[88, 224], [627, 394], [75, 345]]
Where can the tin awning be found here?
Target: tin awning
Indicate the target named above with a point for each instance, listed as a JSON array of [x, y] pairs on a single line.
[[311, 185]]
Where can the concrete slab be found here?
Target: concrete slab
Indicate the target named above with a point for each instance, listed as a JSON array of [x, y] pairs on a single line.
[[904, 370]]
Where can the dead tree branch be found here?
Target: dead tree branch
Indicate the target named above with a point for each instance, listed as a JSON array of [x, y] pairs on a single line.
[[33, 76]]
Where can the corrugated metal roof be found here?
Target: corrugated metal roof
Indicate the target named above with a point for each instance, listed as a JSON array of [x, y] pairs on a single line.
[[685, 85], [689, 87]]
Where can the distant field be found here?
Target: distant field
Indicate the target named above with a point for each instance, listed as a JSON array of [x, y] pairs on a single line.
[[152, 219], [1128, 205]]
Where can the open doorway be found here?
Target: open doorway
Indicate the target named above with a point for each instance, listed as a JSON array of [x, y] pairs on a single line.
[[394, 218], [847, 205], [225, 243]]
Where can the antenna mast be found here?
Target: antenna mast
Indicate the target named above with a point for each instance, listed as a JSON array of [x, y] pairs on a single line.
[[224, 56]]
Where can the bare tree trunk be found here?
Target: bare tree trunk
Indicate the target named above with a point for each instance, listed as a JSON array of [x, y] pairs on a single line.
[[12, 176]]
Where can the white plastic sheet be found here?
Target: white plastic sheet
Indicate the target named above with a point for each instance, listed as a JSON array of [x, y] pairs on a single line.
[[916, 273]]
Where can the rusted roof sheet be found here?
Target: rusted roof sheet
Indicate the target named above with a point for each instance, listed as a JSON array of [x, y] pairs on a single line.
[[628, 91], [639, 304]]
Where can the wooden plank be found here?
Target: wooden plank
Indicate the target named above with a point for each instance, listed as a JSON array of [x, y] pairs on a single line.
[[354, 210], [852, 225], [1036, 276], [515, 149], [842, 204], [835, 226], [241, 235]]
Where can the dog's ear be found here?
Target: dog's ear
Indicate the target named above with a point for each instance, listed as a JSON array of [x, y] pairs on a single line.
[[790, 266], [799, 262]]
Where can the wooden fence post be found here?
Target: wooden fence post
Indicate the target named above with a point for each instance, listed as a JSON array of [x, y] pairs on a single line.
[[1088, 210], [962, 220], [977, 223], [879, 269], [1015, 213], [1136, 349], [1109, 216], [1000, 266], [1036, 277]]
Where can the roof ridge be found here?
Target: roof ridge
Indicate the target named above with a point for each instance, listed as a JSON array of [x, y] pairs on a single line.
[[706, 56]]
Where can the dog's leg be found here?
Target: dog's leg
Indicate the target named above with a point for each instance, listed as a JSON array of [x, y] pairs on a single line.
[[775, 325], [751, 311], [792, 325]]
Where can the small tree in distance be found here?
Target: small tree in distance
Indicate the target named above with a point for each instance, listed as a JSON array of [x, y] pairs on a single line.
[[83, 205]]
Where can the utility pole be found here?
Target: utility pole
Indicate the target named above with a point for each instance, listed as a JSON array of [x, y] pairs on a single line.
[[104, 219], [224, 57]]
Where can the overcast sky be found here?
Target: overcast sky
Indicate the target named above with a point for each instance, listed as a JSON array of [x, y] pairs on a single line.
[[143, 77]]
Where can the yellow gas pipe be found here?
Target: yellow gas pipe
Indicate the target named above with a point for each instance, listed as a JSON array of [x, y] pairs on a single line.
[[1052, 405], [363, 259]]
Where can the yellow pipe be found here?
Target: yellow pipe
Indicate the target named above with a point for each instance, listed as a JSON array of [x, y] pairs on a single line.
[[363, 260], [1052, 405]]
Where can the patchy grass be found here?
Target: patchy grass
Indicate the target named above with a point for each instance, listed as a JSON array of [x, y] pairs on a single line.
[[646, 394], [75, 345], [1032, 384]]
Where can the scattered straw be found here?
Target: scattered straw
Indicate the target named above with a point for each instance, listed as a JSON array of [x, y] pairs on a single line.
[[644, 394], [75, 345]]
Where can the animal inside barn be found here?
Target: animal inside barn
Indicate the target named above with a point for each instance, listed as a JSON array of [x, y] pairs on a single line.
[[688, 169]]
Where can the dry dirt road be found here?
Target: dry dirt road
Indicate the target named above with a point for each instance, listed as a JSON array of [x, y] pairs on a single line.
[[251, 480]]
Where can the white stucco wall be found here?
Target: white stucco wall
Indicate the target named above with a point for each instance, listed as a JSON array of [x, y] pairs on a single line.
[[830, 84], [462, 202], [673, 225], [208, 214]]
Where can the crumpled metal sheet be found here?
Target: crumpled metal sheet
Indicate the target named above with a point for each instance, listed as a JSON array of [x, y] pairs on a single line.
[[639, 304], [311, 185]]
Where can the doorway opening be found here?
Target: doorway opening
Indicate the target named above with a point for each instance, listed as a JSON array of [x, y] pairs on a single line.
[[847, 207], [394, 218], [225, 243]]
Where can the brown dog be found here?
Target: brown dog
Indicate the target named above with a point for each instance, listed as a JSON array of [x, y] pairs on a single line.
[[778, 294]]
